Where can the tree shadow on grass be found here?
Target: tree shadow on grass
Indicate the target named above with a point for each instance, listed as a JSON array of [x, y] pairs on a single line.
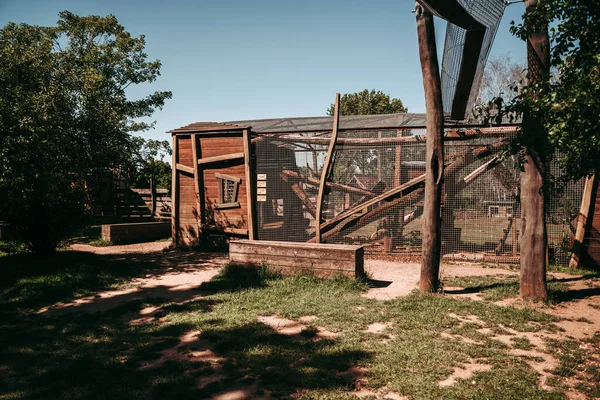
[[99, 356], [233, 278], [30, 282], [281, 364]]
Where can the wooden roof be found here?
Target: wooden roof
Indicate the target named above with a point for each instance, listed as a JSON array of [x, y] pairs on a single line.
[[206, 127]]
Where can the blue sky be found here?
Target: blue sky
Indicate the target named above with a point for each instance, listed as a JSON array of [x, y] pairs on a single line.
[[239, 59]]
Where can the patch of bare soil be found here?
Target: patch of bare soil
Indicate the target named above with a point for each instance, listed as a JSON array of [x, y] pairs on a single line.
[[536, 353], [290, 327], [396, 280], [464, 371]]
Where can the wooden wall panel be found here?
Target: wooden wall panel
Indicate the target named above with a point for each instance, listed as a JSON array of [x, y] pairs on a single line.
[[185, 151], [188, 214]]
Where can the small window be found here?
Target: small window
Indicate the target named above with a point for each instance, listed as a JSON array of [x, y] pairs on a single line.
[[509, 211], [279, 208], [228, 192], [494, 211]]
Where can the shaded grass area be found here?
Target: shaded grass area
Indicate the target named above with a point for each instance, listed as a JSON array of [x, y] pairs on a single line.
[[28, 283], [103, 356], [87, 234]]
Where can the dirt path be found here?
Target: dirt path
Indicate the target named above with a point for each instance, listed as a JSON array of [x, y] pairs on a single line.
[[396, 280]]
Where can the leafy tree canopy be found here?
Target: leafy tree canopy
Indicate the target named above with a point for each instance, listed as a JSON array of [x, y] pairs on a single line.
[[368, 102], [149, 164], [65, 119], [568, 102]]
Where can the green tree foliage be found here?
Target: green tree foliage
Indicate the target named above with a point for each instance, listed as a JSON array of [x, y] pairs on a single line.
[[367, 103], [364, 162], [65, 119], [149, 164], [568, 103]]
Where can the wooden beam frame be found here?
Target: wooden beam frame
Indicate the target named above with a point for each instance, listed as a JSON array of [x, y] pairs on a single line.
[[250, 186], [205, 162], [582, 222], [339, 186], [327, 168], [198, 184], [295, 186], [184, 168], [174, 192]]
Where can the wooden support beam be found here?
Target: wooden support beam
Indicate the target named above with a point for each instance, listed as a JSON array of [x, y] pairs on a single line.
[[184, 168], [198, 188], [295, 186], [327, 168], [582, 222], [317, 182], [399, 191], [175, 192], [250, 185], [434, 155], [357, 221], [361, 215], [450, 135], [480, 170], [205, 162]]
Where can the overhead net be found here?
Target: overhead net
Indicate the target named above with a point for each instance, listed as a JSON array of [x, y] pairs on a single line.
[[487, 12]]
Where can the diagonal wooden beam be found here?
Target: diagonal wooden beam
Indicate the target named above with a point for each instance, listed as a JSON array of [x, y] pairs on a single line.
[[327, 168]]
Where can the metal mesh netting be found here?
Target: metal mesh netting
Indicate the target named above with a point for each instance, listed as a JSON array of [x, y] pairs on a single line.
[[489, 13], [375, 195]]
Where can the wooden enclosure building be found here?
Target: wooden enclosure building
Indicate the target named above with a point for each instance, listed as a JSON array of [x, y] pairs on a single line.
[[212, 182], [259, 180]]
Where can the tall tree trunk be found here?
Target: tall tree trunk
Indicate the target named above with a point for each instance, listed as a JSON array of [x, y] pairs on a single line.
[[534, 239], [434, 166]]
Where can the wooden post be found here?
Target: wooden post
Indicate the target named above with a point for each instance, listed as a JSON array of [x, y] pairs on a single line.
[[397, 230], [533, 199], [198, 186], [327, 168], [434, 159], [250, 185], [582, 222], [152, 198], [379, 159], [175, 192]]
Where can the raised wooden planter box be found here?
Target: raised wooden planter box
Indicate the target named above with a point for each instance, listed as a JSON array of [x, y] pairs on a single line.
[[136, 232], [288, 258]]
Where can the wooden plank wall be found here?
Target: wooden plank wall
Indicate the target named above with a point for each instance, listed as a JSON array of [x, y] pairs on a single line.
[[218, 146], [322, 260], [186, 199], [187, 204], [137, 232]]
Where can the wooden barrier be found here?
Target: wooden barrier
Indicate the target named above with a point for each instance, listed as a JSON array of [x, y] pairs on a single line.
[[136, 232], [322, 260]]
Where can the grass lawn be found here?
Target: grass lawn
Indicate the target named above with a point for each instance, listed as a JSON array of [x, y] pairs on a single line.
[[422, 339]]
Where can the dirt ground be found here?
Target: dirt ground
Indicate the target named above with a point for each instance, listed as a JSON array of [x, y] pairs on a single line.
[[178, 273]]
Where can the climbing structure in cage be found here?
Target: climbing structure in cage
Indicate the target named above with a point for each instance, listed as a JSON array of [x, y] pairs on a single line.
[[374, 193]]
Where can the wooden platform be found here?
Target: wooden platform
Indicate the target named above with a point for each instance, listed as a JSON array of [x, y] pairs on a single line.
[[322, 260], [136, 232]]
